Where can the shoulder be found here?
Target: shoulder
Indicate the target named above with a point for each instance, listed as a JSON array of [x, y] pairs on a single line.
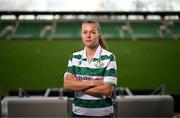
[[107, 53], [76, 55], [78, 52]]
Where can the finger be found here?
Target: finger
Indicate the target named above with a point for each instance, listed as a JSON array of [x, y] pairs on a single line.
[[67, 77], [72, 75]]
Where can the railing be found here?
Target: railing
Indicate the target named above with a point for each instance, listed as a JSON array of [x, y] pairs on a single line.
[[118, 91]]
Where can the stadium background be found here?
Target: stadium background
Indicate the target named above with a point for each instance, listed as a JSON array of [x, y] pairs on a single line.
[[34, 53]]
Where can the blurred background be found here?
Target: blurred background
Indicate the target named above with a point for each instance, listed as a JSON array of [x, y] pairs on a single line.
[[38, 36]]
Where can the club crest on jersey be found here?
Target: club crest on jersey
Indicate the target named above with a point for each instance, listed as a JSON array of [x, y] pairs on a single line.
[[80, 62], [99, 64]]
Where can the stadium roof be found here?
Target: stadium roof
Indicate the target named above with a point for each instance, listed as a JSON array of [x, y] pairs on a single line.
[[17, 13], [92, 5]]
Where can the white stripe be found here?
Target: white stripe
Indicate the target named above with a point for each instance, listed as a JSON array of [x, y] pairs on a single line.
[[78, 53], [84, 96], [105, 52], [93, 77], [70, 63], [92, 111], [112, 65], [110, 80], [92, 65]]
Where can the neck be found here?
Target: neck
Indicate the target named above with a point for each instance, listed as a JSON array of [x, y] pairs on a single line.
[[90, 52]]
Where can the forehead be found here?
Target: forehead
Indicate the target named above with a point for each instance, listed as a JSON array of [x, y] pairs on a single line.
[[89, 26]]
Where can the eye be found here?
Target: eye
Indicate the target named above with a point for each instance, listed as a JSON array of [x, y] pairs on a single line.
[[84, 32], [93, 32]]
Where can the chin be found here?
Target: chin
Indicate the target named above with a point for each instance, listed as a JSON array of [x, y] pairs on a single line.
[[91, 46]]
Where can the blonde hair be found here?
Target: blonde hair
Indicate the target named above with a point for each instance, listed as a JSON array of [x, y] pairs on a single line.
[[102, 42]]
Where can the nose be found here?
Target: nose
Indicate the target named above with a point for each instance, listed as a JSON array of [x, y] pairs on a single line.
[[88, 34]]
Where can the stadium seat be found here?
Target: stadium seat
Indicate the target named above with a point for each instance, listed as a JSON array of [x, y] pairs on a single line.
[[110, 30], [158, 106], [66, 30], [35, 106], [176, 30], [62, 29], [145, 30], [6, 28], [29, 29]]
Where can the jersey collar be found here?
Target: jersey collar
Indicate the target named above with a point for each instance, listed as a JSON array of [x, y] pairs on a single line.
[[96, 55]]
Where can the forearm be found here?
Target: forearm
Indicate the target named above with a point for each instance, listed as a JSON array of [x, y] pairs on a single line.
[[100, 90], [71, 83], [76, 85]]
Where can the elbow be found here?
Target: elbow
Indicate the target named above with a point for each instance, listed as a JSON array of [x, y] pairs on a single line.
[[69, 87], [107, 92], [65, 86]]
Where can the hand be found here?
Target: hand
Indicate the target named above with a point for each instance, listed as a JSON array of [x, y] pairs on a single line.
[[96, 82], [70, 76]]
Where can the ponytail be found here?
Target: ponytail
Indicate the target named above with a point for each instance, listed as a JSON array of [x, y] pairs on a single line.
[[102, 42]]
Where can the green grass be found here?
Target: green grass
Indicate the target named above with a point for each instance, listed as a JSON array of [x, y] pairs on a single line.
[[37, 64]]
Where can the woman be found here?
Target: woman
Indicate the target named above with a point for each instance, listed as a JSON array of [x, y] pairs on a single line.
[[91, 74]]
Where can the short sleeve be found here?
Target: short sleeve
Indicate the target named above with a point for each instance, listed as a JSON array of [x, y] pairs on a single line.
[[70, 67], [110, 75]]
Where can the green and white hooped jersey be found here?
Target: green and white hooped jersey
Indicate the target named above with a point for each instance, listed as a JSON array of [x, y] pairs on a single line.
[[101, 67]]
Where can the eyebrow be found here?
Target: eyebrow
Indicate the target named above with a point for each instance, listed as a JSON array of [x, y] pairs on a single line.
[[88, 30]]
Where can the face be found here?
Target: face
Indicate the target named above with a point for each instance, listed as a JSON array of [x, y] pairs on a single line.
[[90, 35]]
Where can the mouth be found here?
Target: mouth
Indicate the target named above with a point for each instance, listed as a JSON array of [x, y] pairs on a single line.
[[88, 40]]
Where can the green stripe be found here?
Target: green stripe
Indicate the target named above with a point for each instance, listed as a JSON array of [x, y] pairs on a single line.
[[75, 56], [111, 57], [71, 70], [102, 57], [111, 72], [92, 72], [93, 103], [87, 71]]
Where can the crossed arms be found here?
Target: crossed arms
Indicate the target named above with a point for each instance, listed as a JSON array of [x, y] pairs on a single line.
[[91, 87]]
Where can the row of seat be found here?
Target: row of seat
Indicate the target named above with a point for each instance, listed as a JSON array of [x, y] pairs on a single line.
[[71, 29], [125, 103], [156, 106]]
